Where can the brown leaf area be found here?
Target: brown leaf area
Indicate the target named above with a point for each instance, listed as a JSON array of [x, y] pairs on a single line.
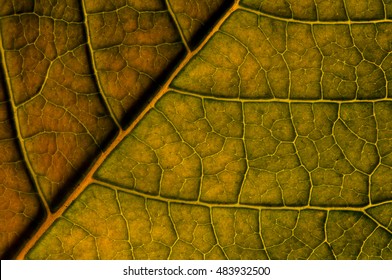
[[208, 129], [19, 201]]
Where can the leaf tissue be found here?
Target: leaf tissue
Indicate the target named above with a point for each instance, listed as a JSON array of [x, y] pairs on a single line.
[[200, 129]]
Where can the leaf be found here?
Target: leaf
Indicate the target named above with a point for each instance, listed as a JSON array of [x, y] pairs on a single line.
[[196, 130]]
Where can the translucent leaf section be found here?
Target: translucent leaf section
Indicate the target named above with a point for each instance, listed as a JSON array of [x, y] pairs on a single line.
[[323, 154], [190, 157], [165, 230], [101, 224], [238, 233], [295, 234], [254, 56], [324, 10], [271, 140], [353, 235], [256, 153], [134, 44], [382, 213]]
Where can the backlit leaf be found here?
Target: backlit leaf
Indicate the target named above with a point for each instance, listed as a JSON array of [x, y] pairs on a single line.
[[207, 129]]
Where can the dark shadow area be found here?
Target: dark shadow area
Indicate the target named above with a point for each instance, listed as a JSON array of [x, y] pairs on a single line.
[[25, 236], [198, 37], [72, 182]]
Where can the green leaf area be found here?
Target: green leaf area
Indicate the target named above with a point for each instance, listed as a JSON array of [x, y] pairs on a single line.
[[196, 129]]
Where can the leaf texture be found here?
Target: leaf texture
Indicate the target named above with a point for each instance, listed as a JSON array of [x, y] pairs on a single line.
[[196, 129]]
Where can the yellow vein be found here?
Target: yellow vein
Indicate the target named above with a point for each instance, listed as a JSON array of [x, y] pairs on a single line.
[[227, 205], [180, 31], [331, 22], [94, 67], [282, 100]]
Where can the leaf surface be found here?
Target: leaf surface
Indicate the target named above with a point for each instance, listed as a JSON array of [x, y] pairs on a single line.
[[196, 130]]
